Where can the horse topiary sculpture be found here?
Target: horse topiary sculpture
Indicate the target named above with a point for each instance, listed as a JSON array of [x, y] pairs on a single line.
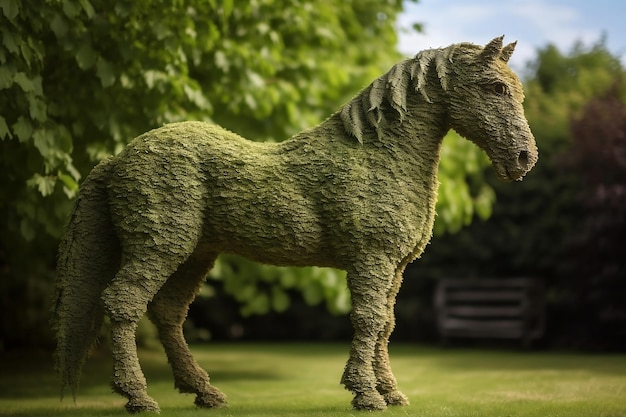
[[356, 192]]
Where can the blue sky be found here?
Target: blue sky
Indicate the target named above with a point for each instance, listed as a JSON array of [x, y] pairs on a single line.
[[533, 23]]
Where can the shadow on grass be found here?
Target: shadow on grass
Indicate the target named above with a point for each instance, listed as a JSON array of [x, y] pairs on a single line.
[[71, 411], [484, 359], [32, 375]]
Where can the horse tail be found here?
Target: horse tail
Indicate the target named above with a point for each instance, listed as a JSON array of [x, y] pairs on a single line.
[[89, 256]]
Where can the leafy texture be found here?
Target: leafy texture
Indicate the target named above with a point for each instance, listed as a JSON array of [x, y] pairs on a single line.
[[150, 222]]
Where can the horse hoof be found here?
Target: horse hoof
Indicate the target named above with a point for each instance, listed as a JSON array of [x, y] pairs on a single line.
[[212, 399], [369, 401], [140, 405], [396, 398]]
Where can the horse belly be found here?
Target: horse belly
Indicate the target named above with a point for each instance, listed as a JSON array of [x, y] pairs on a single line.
[[274, 227]]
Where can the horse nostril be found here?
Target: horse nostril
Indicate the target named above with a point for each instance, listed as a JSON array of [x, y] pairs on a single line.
[[522, 158]]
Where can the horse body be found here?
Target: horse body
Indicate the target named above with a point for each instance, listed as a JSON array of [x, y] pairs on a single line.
[[357, 192], [318, 198]]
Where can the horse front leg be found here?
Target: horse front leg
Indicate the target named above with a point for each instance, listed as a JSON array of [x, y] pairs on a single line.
[[368, 289], [386, 381]]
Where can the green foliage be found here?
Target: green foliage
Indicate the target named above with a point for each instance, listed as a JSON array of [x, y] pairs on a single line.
[[558, 86], [463, 192], [263, 288]]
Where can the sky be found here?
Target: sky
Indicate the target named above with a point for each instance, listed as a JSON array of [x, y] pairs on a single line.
[[533, 23]]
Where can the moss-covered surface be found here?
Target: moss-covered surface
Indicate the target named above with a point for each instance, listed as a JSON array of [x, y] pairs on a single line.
[[356, 192]]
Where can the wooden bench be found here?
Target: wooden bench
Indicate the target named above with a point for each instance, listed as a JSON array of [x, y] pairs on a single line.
[[490, 308]]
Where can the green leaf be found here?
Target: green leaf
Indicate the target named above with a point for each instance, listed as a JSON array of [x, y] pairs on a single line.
[[196, 96], [484, 202], [36, 48], [44, 184], [260, 304], [27, 54], [161, 30], [105, 72], [86, 56], [11, 41], [6, 76], [288, 278], [312, 293], [58, 26], [227, 8], [341, 303], [37, 109], [23, 129], [70, 8], [246, 292], [25, 83], [68, 181], [10, 9], [88, 8], [280, 299], [42, 139], [152, 77], [221, 61], [4, 129], [73, 171]]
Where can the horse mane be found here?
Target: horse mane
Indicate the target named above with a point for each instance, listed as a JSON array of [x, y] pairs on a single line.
[[366, 109]]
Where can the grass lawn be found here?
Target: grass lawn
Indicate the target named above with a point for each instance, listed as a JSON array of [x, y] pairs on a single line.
[[275, 380]]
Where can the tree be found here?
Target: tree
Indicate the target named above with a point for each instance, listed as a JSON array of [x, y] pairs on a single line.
[[80, 78], [596, 268]]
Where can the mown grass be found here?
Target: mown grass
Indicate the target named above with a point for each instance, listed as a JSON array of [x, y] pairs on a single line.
[[275, 380]]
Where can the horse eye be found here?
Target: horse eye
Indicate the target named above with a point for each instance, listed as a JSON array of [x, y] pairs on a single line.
[[500, 89]]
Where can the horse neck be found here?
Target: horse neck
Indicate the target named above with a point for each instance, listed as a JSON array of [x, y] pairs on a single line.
[[417, 138], [414, 142]]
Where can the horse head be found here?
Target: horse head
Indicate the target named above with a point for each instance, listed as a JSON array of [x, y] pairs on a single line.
[[485, 106]]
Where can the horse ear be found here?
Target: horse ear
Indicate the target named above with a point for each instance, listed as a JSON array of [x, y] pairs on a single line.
[[492, 50], [507, 51]]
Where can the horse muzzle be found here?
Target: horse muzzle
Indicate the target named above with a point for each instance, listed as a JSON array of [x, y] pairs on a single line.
[[518, 165]]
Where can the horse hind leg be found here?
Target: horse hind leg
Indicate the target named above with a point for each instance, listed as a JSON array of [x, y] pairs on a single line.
[[128, 379], [168, 311], [125, 302]]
